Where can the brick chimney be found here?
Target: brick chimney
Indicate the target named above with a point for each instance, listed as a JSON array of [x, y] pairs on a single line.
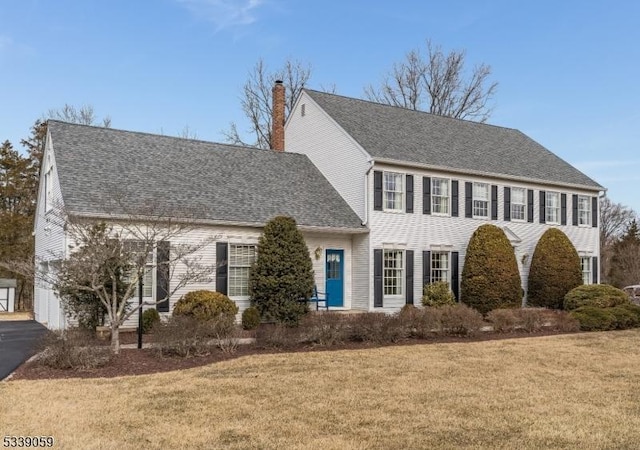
[[277, 121]]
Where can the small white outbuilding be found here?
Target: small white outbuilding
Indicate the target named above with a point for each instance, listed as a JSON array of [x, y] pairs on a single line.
[[7, 294]]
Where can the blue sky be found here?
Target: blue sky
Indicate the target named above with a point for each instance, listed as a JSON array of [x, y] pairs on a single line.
[[568, 71]]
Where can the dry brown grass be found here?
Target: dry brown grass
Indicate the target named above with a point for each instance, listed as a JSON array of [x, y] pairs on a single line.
[[572, 391], [16, 316]]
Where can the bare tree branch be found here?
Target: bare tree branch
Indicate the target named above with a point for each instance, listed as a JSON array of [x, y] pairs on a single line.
[[436, 83]]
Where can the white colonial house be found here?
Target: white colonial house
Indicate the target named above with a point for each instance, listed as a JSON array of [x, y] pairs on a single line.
[[386, 198], [423, 183]]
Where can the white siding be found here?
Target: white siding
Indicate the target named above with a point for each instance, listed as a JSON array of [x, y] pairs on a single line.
[[362, 267], [340, 159], [420, 231], [49, 244]]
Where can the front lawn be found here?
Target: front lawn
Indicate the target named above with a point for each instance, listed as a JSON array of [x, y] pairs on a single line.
[[567, 391]]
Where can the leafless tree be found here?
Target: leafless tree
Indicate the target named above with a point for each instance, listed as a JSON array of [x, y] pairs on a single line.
[[437, 83], [110, 256], [256, 100], [84, 115], [614, 218]]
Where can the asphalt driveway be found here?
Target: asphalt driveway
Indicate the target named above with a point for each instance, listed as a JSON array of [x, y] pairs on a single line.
[[17, 343]]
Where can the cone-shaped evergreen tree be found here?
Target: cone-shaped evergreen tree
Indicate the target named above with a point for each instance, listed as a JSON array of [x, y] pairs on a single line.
[[555, 270], [490, 277], [283, 273]]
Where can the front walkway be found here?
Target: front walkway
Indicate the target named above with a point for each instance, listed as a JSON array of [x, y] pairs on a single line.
[[18, 341]]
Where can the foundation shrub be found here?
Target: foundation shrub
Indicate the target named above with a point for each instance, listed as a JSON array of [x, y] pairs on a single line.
[[562, 321], [490, 277], [503, 320], [599, 295], [73, 349], [375, 327], [250, 318], [185, 336], [150, 317], [278, 336], [460, 320], [592, 318], [626, 316], [555, 270], [324, 329], [437, 294], [531, 319], [420, 323]]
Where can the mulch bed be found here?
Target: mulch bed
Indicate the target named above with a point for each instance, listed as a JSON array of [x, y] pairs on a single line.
[[146, 361]]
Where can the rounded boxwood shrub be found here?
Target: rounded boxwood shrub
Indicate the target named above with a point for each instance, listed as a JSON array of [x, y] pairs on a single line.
[[250, 318], [555, 270], [205, 306], [150, 317], [437, 294], [281, 280], [601, 295], [490, 277], [592, 318]]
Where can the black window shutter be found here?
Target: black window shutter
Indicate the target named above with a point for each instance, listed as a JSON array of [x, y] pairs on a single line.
[[494, 202], [574, 209], [454, 198], [426, 195], [222, 266], [377, 190], [377, 278], [530, 205], [426, 268], [454, 274], [594, 212], [409, 183], [468, 199], [594, 270], [162, 275], [507, 204], [563, 209], [409, 294], [543, 197]]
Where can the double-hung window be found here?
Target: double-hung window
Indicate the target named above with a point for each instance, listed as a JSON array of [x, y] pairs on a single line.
[[519, 204], [393, 274], [480, 200], [585, 265], [393, 190], [440, 267], [552, 207], [440, 196], [584, 210], [241, 257]]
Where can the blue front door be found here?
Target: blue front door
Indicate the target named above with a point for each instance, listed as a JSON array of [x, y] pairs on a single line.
[[335, 277]]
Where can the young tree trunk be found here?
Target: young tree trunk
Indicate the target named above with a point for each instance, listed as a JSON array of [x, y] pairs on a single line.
[[115, 338]]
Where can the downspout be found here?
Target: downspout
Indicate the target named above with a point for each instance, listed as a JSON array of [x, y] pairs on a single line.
[[365, 221]]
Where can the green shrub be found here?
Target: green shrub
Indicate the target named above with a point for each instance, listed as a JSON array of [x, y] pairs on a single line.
[[460, 320], [205, 305], [282, 277], [150, 317], [555, 270], [250, 318], [600, 295], [624, 318], [437, 294], [490, 276], [592, 318]]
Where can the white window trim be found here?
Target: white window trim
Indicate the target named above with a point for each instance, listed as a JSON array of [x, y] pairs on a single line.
[[431, 268], [474, 199], [547, 208], [401, 279], [588, 211], [449, 199], [402, 192], [524, 204], [589, 268], [229, 266]]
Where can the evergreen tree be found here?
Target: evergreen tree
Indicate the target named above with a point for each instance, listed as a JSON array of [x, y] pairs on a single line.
[[555, 270], [490, 277], [282, 277]]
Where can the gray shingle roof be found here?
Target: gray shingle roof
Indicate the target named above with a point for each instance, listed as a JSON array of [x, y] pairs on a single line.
[[400, 134], [108, 171]]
